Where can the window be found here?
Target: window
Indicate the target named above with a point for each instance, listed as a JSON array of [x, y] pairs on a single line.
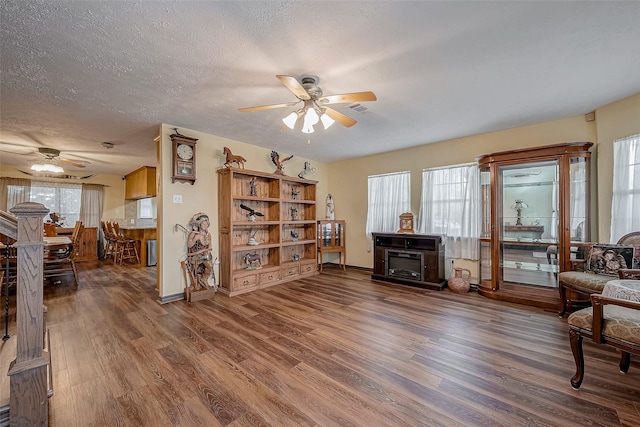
[[450, 206], [147, 208], [61, 198], [389, 196], [625, 202]]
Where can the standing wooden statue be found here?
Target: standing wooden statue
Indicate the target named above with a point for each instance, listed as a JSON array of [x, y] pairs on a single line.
[[331, 209], [199, 261]]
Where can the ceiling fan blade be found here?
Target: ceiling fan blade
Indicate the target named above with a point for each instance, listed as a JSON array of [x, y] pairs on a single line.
[[294, 86], [348, 97], [267, 107], [70, 162], [344, 120]]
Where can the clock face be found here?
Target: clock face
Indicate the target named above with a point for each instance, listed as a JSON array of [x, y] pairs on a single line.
[[185, 152], [406, 224]]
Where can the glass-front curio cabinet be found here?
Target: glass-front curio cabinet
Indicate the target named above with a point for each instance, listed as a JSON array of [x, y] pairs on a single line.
[[331, 238], [535, 214]]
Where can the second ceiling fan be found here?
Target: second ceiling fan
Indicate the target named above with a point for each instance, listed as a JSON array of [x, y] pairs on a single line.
[[315, 104]]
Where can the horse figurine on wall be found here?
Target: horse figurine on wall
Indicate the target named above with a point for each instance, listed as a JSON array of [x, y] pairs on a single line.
[[231, 158]]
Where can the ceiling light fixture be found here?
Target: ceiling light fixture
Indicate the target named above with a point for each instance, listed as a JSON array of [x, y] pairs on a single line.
[[312, 114], [47, 167]]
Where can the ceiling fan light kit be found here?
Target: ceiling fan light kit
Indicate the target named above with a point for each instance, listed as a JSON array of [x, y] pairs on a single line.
[[308, 91], [47, 167]]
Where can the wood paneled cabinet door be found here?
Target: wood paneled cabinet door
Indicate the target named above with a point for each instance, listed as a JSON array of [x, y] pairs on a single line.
[[88, 247], [331, 238], [534, 209]]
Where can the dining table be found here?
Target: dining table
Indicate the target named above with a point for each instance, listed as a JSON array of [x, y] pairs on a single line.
[[50, 241]]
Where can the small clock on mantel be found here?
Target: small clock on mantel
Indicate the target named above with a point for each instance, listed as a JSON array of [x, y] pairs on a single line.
[[184, 158], [406, 223]]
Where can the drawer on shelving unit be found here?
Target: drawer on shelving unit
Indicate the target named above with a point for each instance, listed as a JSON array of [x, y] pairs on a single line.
[[308, 267], [290, 270], [269, 276], [244, 282]]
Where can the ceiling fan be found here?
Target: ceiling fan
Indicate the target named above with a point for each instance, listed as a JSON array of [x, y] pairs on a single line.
[[314, 102], [52, 156]]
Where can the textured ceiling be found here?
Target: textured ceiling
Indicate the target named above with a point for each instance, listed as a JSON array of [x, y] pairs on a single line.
[[75, 74]]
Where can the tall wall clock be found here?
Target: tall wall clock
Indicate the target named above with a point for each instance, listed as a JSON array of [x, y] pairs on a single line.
[[184, 158]]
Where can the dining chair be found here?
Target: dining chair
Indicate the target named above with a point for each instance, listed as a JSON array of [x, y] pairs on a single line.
[[61, 261]]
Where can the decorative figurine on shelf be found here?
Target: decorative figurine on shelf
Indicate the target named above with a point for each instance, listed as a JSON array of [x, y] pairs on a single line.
[[295, 192], [253, 261], [294, 235], [252, 187], [199, 263], [306, 169], [294, 213], [518, 206], [330, 208], [296, 257], [252, 213], [231, 158], [275, 158], [252, 239], [56, 219]]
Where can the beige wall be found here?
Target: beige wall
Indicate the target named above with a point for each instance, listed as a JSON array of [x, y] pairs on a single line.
[[614, 121], [618, 119], [351, 200], [203, 196]]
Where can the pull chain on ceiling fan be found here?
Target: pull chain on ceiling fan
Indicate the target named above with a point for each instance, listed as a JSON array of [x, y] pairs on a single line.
[[314, 107]]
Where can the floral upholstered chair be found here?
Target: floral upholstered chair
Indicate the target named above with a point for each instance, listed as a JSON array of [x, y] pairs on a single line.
[[613, 319], [597, 271]]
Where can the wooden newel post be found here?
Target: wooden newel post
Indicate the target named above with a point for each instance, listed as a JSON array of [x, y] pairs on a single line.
[[28, 403]]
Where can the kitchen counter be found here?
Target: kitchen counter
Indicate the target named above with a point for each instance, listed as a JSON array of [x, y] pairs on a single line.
[[142, 234]]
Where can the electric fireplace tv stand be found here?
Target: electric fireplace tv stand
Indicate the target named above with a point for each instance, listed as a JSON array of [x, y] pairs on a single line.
[[409, 259]]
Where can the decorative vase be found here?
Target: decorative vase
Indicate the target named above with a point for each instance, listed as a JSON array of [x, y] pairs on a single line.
[[460, 282]]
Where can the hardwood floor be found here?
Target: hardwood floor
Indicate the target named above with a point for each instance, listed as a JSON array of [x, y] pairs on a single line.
[[334, 350]]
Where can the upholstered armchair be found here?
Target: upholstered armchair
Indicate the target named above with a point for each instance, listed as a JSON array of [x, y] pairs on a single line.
[[588, 282], [613, 319]]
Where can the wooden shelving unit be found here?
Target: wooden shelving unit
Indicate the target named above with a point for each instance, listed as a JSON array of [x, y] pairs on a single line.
[[285, 232]]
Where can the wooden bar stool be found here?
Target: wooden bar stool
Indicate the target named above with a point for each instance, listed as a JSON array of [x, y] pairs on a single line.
[[126, 249]]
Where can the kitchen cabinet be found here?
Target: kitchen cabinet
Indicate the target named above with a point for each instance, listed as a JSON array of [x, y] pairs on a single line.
[[140, 184]]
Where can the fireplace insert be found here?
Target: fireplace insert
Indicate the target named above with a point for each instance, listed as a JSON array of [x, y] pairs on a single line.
[[404, 264]]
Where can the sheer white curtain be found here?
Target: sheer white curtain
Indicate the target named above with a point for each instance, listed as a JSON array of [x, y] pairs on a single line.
[[625, 203], [450, 206], [14, 191], [389, 196], [91, 204]]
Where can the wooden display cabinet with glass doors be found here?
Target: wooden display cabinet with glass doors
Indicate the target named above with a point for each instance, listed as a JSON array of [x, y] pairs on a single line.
[[535, 216], [331, 238]]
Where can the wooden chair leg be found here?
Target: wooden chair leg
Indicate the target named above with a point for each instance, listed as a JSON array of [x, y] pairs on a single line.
[[576, 348], [75, 272], [563, 300], [625, 361]]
